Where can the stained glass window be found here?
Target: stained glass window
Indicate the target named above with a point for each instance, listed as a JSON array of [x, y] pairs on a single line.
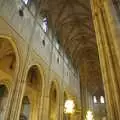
[[45, 24]]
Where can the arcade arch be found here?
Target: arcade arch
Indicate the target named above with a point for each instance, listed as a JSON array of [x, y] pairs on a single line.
[[32, 93], [9, 64]]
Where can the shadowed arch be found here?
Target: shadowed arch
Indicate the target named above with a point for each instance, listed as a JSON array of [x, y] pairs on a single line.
[[12, 42], [53, 100], [37, 68], [33, 90]]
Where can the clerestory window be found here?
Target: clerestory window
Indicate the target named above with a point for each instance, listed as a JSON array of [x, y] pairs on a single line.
[[45, 24], [57, 45], [102, 100], [94, 99], [25, 1]]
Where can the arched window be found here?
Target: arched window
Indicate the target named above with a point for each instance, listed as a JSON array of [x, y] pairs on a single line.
[[45, 24], [58, 60], [57, 45], [25, 1], [43, 42], [25, 109], [102, 100], [94, 99]]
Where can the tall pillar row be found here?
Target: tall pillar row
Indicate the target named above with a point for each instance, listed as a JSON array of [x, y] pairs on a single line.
[[108, 55], [84, 90]]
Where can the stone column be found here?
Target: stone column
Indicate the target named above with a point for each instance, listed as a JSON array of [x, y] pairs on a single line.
[[45, 109], [15, 93], [40, 106], [84, 102], [61, 111], [61, 104], [84, 90], [9, 96], [108, 54]]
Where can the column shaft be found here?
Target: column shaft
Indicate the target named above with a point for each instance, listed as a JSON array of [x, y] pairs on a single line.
[[108, 58]]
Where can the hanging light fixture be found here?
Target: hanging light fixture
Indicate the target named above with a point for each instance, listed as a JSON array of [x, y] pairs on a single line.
[[89, 115], [69, 106]]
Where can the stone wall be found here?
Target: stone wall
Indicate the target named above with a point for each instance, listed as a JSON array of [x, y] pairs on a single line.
[[26, 36]]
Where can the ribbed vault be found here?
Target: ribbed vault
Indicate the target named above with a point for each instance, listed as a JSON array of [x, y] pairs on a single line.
[[72, 19]]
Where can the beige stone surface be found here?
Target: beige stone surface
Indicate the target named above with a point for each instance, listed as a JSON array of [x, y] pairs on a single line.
[[23, 49]]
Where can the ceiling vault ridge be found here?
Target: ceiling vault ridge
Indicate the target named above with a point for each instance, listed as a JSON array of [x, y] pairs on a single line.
[[72, 19]]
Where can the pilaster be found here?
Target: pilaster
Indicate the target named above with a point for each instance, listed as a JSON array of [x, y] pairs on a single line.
[[108, 55]]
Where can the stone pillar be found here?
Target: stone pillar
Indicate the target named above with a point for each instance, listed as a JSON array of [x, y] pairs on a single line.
[[61, 100], [16, 100], [84, 90], [10, 86], [45, 109], [108, 54], [85, 102], [40, 108]]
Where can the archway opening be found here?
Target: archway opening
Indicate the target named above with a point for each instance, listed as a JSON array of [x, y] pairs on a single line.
[[33, 91], [53, 102], [34, 78]]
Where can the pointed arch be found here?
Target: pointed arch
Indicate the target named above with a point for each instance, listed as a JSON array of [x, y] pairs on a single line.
[[54, 97], [11, 41]]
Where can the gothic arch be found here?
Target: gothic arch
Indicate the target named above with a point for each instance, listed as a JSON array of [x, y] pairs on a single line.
[[33, 90], [9, 67], [14, 46], [40, 72], [54, 97], [9, 61]]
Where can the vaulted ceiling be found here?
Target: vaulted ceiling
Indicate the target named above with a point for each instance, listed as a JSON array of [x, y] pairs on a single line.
[[72, 19]]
